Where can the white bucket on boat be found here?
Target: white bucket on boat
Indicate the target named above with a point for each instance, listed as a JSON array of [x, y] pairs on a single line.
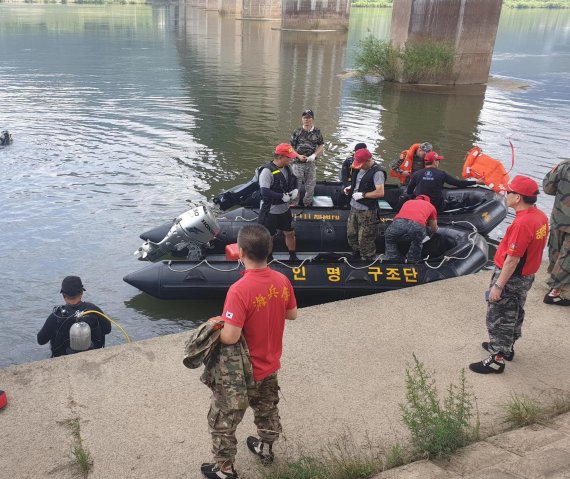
[[323, 201]]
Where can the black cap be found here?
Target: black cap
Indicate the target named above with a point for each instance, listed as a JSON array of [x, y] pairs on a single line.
[[308, 113], [359, 146], [72, 286]]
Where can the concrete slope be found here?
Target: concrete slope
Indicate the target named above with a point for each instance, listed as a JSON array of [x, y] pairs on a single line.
[[143, 414]]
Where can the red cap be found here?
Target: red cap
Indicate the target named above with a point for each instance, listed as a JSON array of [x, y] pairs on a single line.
[[285, 149], [361, 156], [432, 156], [523, 185]]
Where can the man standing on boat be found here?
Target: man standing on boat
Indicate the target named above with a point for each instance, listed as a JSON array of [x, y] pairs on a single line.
[[410, 161], [430, 180], [557, 183], [278, 187], [366, 187], [308, 142], [517, 259], [256, 307], [346, 170]]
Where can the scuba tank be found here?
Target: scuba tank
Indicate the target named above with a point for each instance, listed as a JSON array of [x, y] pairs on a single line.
[[80, 336]]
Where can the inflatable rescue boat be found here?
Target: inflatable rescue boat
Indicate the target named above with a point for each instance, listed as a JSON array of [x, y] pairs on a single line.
[[449, 253], [198, 232]]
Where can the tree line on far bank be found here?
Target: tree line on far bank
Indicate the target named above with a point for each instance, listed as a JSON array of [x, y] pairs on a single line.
[[506, 3]]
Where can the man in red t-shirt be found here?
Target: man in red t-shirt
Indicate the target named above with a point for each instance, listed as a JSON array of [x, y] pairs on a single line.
[[517, 258], [256, 306], [410, 225]]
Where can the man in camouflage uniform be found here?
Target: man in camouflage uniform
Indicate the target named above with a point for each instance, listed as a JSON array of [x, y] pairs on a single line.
[[308, 142], [256, 306], [557, 183], [517, 259], [366, 187]]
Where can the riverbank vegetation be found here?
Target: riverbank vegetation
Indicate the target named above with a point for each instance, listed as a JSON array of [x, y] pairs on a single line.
[[506, 3], [410, 64]]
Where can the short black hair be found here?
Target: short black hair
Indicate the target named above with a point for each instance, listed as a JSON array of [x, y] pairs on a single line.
[[529, 200], [255, 241]]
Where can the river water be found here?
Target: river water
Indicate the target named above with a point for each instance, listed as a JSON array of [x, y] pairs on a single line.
[[124, 115]]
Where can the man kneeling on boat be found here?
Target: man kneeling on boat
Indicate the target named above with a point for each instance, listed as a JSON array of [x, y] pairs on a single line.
[[410, 225], [278, 186]]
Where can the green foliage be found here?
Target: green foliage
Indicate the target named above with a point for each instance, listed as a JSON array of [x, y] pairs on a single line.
[[397, 456], [372, 3], [438, 430], [521, 411], [81, 455], [410, 64], [536, 3]]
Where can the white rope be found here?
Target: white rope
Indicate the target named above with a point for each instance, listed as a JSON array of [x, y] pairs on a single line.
[[204, 261], [447, 258]]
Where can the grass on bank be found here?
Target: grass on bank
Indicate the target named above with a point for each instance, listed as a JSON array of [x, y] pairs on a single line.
[[80, 454], [437, 428], [412, 63], [522, 410]]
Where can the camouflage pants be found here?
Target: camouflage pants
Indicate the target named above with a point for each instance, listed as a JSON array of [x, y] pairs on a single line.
[[223, 422], [506, 316], [361, 231], [404, 230], [559, 255], [306, 174]]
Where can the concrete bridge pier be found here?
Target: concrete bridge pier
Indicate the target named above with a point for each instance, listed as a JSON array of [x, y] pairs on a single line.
[[316, 14], [469, 26]]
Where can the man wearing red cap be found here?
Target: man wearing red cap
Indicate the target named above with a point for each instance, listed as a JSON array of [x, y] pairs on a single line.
[[430, 180], [278, 187], [517, 259], [410, 225], [366, 188]]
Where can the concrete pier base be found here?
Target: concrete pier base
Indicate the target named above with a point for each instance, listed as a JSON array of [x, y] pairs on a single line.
[[257, 9], [315, 14], [230, 6], [469, 26]]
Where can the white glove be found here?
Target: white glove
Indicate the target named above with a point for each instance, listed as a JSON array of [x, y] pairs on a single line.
[[347, 190], [293, 194], [312, 157], [286, 198], [357, 196]]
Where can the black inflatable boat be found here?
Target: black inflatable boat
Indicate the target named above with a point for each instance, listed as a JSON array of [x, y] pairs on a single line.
[[323, 228], [451, 252]]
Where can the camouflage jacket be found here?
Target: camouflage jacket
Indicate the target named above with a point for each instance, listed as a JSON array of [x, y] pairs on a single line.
[[557, 183], [227, 367], [306, 142]]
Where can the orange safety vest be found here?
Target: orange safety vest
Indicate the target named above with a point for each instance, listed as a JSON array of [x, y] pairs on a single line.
[[481, 166], [407, 156]]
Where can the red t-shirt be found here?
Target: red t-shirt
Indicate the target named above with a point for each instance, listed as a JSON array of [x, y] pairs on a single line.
[[419, 211], [525, 239], [257, 303]]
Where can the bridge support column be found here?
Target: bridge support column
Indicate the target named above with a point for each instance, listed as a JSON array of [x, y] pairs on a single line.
[[316, 14], [230, 6], [469, 26], [261, 9]]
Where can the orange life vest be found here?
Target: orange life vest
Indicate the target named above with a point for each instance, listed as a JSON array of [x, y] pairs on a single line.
[[407, 156], [481, 166]]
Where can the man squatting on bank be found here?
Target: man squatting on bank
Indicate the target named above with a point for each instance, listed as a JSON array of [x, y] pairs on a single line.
[[256, 306], [517, 259], [308, 142]]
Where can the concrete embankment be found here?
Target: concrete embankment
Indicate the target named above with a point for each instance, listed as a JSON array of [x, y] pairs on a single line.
[[143, 414]]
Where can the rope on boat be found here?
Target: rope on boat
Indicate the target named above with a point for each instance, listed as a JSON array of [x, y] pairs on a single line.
[[447, 258], [204, 261]]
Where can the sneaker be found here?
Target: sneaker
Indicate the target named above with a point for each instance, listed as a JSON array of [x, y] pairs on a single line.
[[493, 364], [256, 446], [355, 256], [508, 357], [212, 470], [556, 299]]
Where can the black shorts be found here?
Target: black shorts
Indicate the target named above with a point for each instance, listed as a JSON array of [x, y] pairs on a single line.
[[281, 221]]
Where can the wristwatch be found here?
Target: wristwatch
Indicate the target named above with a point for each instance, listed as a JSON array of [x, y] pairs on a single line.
[[497, 285]]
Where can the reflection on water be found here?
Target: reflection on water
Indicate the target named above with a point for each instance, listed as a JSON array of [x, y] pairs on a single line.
[[123, 115]]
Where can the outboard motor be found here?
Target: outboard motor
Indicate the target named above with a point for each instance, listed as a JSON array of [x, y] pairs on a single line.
[[5, 138], [195, 227], [80, 336]]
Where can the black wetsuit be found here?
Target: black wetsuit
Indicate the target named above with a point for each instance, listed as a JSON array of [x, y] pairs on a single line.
[[56, 328]]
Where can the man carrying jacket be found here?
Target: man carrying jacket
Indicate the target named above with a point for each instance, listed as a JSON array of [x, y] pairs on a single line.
[[256, 307], [410, 161], [278, 187], [367, 186]]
